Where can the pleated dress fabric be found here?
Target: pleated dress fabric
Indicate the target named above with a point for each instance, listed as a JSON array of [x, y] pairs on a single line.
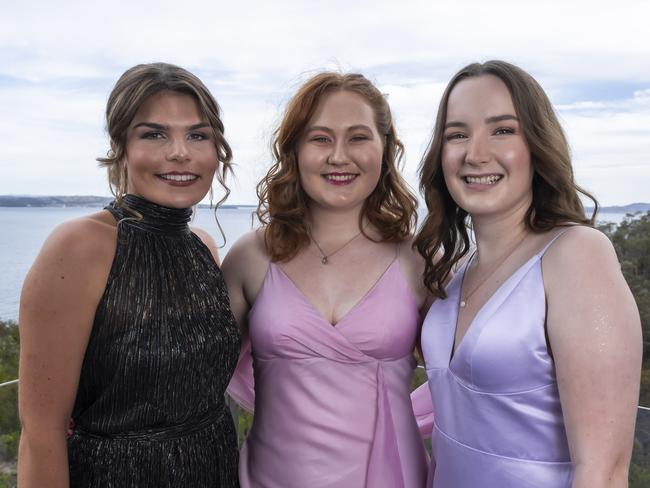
[[150, 408], [332, 405], [497, 414]]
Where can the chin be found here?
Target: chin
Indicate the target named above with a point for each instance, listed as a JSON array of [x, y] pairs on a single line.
[[176, 200]]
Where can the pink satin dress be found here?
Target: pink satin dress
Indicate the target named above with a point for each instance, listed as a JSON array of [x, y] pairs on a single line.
[[332, 405]]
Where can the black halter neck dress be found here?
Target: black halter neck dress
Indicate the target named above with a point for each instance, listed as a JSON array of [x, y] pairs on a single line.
[[150, 409]]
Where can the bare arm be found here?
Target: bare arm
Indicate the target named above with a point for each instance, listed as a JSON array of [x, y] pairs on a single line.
[[413, 267], [595, 335], [244, 268], [57, 307]]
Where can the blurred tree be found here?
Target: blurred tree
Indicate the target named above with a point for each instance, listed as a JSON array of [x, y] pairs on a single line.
[[9, 422]]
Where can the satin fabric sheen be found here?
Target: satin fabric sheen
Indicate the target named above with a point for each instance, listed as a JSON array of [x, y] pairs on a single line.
[[332, 405], [498, 418]]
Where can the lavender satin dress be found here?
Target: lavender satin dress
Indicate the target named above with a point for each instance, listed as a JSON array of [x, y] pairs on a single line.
[[498, 419], [332, 405]]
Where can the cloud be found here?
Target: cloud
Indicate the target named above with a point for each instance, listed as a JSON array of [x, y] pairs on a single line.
[[59, 60]]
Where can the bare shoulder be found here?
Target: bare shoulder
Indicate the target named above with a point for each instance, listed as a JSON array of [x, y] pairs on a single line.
[[249, 247], [409, 255], [209, 242], [247, 259], [245, 265], [71, 270], [580, 247], [89, 239], [412, 264]]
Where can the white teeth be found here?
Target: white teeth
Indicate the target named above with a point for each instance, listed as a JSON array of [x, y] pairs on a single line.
[[340, 177], [179, 177], [483, 180]]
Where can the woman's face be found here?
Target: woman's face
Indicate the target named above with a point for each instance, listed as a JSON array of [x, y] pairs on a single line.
[[170, 151], [340, 152], [485, 158]]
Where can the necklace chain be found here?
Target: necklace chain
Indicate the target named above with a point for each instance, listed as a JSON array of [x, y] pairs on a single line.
[[324, 259], [499, 263]]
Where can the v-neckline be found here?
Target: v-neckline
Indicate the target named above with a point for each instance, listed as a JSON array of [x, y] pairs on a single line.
[[456, 347], [357, 304]]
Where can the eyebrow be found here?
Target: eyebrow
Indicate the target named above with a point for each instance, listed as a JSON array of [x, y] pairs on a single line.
[[153, 125], [327, 129], [489, 120]]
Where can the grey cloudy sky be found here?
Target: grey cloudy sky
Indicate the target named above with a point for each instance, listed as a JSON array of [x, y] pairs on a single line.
[[59, 60]]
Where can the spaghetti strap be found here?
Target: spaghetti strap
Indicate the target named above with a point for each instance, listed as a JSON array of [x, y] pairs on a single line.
[[548, 244]]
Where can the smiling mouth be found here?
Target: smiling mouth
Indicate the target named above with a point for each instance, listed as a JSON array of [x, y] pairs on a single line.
[[340, 177], [184, 177], [482, 180]]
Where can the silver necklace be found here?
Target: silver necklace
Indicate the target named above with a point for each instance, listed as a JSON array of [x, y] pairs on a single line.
[[324, 259], [495, 267]]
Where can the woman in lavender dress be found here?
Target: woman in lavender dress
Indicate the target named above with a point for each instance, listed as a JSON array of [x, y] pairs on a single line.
[[533, 350]]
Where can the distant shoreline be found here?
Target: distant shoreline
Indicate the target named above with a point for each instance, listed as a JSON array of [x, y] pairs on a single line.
[[100, 202], [17, 201]]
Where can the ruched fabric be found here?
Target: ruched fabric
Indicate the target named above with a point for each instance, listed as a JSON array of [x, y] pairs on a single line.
[[150, 408]]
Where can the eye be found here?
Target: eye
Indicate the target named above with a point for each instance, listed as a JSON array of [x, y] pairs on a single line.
[[152, 135], [319, 139], [198, 136], [454, 136], [359, 138], [501, 131]]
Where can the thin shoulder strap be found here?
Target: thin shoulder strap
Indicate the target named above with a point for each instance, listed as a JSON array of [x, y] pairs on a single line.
[[548, 244]]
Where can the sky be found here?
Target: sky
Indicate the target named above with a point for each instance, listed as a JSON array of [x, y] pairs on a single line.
[[59, 61]]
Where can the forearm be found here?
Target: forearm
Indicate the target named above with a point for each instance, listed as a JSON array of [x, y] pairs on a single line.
[[43, 460]]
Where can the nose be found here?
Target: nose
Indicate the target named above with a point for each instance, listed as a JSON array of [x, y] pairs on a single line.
[[178, 150], [477, 150], [339, 154]]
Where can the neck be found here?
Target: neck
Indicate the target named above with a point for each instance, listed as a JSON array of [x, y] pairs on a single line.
[[494, 234], [332, 226]]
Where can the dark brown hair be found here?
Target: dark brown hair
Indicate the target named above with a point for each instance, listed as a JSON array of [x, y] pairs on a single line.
[[135, 86], [284, 205], [555, 200]]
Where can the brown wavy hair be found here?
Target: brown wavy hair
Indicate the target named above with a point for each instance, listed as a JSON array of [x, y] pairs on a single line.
[[135, 86], [283, 204], [555, 200]]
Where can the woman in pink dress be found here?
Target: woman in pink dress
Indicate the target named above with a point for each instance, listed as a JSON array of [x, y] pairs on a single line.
[[533, 352], [329, 292]]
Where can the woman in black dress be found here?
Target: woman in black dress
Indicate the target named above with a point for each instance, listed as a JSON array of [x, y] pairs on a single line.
[[125, 320]]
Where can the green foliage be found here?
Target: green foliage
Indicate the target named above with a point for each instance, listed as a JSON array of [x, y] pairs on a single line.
[[639, 477], [244, 424], [9, 422], [419, 375], [644, 398], [7, 480]]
